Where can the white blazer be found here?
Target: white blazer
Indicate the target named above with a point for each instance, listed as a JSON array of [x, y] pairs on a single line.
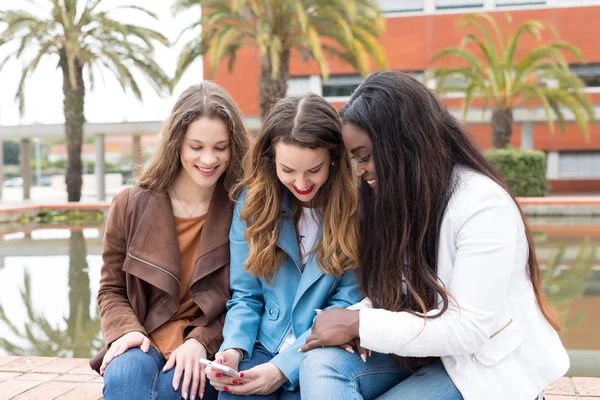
[[493, 341]]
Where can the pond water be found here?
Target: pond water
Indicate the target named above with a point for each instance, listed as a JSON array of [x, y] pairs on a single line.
[[49, 281]]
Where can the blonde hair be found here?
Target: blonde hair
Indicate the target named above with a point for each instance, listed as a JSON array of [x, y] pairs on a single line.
[[308, 121], [206, 99]]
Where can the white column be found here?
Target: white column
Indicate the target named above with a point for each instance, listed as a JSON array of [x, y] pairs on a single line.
[[100, 186], [26, 168], [1, 167], [429, 6], [526, 135], [552, 165], [137, 155], [489, 4], [315, 84]]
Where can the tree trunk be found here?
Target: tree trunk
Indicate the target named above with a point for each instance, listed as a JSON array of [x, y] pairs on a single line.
[[73, 109], [79, 296], [270, 90], [502, 124]]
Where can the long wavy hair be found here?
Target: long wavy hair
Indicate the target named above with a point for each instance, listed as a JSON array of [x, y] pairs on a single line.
[[417, 144], [206, 99], [310, 122]]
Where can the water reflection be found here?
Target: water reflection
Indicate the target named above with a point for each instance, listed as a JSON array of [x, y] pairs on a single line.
[[564, 281], [79, 336], [49, 280]]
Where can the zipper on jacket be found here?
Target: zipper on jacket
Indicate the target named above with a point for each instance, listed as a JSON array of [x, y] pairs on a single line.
[[154, 266], [292, 257], [501, 329], [494, 335]]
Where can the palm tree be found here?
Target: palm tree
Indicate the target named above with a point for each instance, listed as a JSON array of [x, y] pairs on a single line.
[[542, 74], [80, 35], [347, 29], [80, 337]]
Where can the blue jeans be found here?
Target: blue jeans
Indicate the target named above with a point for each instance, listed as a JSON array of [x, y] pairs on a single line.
[[333, 373], [260, 355], [138, 375]]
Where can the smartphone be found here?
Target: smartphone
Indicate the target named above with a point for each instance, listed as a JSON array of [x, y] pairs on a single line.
[[220, 367]]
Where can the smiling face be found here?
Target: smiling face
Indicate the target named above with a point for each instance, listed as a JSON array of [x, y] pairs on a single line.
[[301, 169], [205, 151], [360, 147]]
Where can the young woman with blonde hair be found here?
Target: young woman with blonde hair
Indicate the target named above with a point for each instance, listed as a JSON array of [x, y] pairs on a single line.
[[165, 277], [294, 244]]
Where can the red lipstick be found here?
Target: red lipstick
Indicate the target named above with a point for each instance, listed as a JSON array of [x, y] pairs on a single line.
[[304, 192]]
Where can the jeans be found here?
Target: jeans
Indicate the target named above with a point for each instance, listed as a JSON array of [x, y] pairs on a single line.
[[260, 355], [333, 373], [138, 375]]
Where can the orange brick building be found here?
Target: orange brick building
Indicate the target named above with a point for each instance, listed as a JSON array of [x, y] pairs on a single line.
[[416, 29]]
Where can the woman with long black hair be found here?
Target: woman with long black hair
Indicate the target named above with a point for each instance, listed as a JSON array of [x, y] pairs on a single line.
[[447, 264]]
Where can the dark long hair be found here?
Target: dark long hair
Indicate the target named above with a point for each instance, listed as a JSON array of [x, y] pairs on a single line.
[[418, 144]]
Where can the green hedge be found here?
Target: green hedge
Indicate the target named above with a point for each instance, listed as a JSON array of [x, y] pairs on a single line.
[[523, 170]]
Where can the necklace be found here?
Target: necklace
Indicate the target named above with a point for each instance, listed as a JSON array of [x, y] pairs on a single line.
[[182, 206]]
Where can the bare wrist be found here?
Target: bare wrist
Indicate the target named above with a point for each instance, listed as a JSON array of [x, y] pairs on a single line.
[[201, 345]]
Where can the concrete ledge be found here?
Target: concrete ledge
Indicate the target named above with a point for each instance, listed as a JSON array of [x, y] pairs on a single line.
[[72, 379]]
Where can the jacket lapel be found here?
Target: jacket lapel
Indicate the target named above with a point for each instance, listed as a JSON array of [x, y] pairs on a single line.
[[288, 238], [311, 273], [156, 230], [215, 234]]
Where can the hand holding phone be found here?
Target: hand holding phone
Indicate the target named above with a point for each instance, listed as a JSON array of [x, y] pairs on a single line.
[[220, 367]]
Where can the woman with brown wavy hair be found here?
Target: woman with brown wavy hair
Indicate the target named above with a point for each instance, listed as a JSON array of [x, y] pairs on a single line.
[[293, 247], [447, 263], [165, 275]]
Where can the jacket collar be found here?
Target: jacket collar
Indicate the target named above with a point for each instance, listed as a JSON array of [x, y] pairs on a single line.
[[215, 234], [288, 238], [155, 240]]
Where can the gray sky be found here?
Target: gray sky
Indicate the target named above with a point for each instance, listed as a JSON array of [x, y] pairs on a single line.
[[107, 102]]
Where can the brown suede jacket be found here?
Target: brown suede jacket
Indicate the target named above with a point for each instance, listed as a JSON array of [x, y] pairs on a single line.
[[139, 280]]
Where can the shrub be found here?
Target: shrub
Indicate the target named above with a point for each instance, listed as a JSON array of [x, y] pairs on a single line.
[[523, 170]]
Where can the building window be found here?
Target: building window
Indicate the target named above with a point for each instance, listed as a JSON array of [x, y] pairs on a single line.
[[391, 6], [418, 75], [504, 3], [581, 164], [589, 73], [449, 4], [298, 86], [341, 85]]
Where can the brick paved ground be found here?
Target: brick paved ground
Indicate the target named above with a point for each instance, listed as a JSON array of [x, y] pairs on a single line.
[[45, 378]]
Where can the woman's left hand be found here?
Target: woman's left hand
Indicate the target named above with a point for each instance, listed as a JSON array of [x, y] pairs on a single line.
[[261, 380], [333, 328], [186, 361]]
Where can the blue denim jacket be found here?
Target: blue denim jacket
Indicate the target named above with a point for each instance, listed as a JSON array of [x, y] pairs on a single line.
[[263, 312]]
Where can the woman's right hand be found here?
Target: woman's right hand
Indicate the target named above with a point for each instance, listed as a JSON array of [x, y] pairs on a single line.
[[230, 358], [355, 344], [122, 344]]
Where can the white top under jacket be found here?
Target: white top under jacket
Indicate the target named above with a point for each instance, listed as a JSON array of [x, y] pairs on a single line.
[[494, 341]]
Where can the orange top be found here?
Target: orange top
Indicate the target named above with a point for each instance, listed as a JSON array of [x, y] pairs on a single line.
[[167, 337]]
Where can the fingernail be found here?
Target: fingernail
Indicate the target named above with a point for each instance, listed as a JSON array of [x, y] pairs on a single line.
[[218, 374], [164, 368], [226, 388], [363, 357], [241, 374], [184, 395], [201, 396], [219, 361], [299, 350], [349, 350], [235, 381]]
